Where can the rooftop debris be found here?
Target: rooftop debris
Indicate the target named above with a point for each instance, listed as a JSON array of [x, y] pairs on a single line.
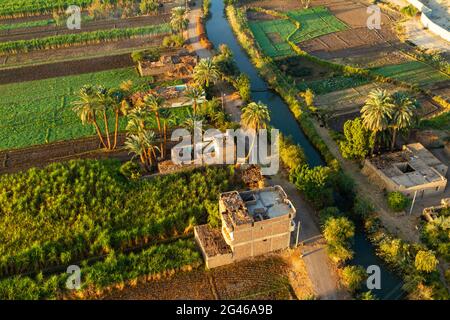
[[212, 241], [236, 208]]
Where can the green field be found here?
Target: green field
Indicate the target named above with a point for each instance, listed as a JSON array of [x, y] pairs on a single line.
[[38, 112], [271, 35], [20, 7], [441, 122], [315, 22], [414, 72]]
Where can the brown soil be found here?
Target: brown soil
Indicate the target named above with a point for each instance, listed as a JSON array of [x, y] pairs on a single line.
[[254, 15], [79, 52], [47, 31], [60, 69], [262, 278], [42, 155]]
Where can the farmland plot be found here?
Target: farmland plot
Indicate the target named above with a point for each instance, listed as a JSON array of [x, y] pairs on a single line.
[[40, 111], [271, 34], [413, 72], [315, 22]]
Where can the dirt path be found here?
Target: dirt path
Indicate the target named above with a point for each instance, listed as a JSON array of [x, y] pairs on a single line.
[[320, 269]]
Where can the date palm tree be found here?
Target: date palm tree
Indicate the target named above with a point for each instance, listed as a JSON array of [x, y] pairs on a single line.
[[87, 108], [105, 105], [255, 116], [155, 104], [195, 93], [377, 112], [206, 72], [178, 20], [143, 145], [121, 105], [402, 114]]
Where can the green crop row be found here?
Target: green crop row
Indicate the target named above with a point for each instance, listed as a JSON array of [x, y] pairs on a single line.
[[70, 211], [116, 269], [66, 40], [17, 8]]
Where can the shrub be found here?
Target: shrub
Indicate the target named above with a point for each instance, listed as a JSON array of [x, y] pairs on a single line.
[[338, 232], [328, 213], [173, 41], [243, 85], [131, 170], [291, 154], [368, 295], [150, 54], [315, 183], [362, 207], [353, 277], [409, 10], [426, 261], [357, 143], [397, 201]]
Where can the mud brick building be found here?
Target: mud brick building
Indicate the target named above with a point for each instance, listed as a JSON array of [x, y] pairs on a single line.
[[412, 171], [253, 223]]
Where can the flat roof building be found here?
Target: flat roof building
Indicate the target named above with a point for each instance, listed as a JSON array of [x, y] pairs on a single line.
[[414, 170], [253, 223]]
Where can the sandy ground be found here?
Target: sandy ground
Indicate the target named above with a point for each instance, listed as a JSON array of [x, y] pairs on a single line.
[[414, 32], [275, 276]]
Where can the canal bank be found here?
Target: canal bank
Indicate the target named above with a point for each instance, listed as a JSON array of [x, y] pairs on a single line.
[[219, 31]]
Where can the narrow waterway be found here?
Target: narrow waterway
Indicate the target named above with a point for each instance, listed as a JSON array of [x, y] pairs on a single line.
[[219, 31]]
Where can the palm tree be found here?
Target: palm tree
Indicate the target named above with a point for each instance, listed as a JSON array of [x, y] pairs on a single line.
[[87, 107], [121, 105], [138, 120], [206, 72], [155, 104], [376, 112], [178, 20], [142, 145], [255, 116], [402, 114], [105, 103], [168, 121], [195, 93]]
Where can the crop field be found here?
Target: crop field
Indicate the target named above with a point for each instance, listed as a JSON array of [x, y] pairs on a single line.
[[271, 35], [413, 72], [315, 22], [261, 278], [74, 210], [15, 8], [38, 112], [65, 40]]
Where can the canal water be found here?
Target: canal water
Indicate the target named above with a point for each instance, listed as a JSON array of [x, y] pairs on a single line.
[[220, 32]]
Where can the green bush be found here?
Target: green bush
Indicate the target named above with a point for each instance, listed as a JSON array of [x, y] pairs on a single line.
[[353, 277], [409, 11], [426, 261], [315, 183], [131, 170], [397, 201], [243, 85], [150, 54], [327, 213], [291, 154], [173, 41], [357, 140]]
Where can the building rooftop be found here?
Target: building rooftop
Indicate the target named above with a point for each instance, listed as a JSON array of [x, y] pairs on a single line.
[[255, 205], [412, 166]]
